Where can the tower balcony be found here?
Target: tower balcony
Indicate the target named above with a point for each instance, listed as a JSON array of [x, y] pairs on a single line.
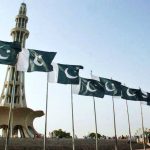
[[16, 30], [22, 17]]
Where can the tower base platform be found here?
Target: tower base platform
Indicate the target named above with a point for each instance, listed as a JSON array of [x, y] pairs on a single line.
[[21, 123]]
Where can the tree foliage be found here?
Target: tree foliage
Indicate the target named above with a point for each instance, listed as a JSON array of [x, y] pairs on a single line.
[[92, 135], [61, 134]]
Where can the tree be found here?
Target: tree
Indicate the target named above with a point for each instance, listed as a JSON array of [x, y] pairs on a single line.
[[92, 135], [60, 134]]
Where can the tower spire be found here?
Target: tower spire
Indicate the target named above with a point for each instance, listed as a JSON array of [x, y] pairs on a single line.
[[20, 33]]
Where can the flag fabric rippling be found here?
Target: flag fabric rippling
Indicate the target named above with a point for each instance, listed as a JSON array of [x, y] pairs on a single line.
[[8, 52], [144, 96], [111, 87], [65, 74], [88, 87], [30, 60], [130, 93]]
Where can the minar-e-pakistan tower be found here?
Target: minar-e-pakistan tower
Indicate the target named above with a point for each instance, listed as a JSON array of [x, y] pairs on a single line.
[[22, 116]]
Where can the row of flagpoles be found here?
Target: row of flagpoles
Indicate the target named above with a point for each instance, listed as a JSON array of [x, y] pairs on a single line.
[[29, 60], [95, 117]]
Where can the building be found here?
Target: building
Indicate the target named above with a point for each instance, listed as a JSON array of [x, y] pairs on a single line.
[[13, 94]]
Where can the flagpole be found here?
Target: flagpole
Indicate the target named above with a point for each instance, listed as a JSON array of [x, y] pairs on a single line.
[[116, 141], [142, 126], [95, 123], [46, 112], [10, 112], [96, 137], [73, 134], [129, 124]]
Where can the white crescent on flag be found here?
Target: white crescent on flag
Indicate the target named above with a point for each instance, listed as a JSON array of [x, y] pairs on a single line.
[[144, 94], [89, 89], [36, 60], [5, 57], [108, 89], [2, 46], [129, 94], [68, 75]]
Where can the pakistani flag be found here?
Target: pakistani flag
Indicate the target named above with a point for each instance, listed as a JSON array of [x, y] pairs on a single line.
[[34, 60], [88, 87], [130, 94], [111, 87], [144, 96], [65, 74], [8, 52]]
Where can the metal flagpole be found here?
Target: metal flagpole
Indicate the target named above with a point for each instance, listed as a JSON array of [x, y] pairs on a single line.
[[96, 137], [142, 126], [10, 111], [116, 141], [129, 124], [73, 135], [95, 123], [46, 113]]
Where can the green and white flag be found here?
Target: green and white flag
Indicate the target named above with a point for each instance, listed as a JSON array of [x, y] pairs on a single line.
[[88, 87], [144, 97], [8, 52], [130, 93], [112, 87], [30, 60], [65, 74]]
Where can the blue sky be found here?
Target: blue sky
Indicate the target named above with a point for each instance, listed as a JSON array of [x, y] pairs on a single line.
[[109, 37]]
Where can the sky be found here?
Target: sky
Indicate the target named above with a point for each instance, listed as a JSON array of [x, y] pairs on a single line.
[[109, 37]]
